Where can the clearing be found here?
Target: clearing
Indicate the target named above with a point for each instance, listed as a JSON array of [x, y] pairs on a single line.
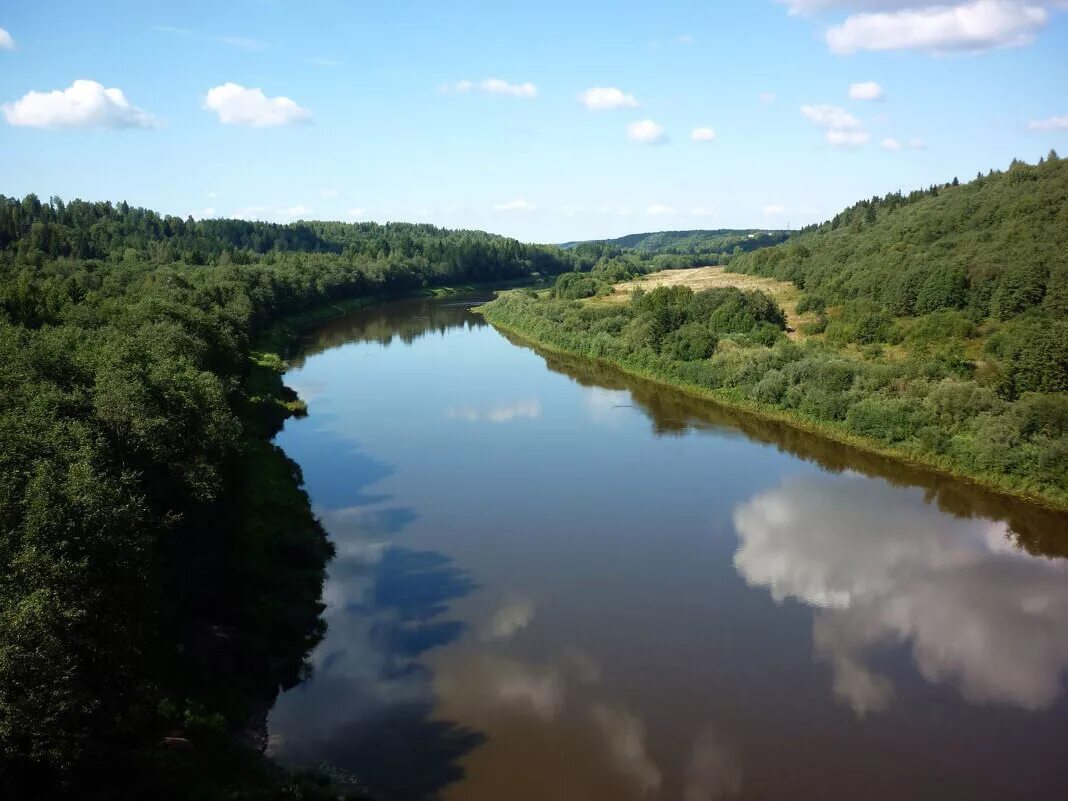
[[782, 292]]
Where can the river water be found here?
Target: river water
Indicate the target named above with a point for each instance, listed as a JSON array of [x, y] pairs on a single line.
[[556, 583]]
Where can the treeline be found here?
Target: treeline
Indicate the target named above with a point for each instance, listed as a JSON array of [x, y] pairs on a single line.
[[971, 376], [160, 568], [704, 247]]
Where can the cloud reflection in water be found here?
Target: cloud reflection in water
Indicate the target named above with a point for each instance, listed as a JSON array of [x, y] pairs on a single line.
[[885, 568]]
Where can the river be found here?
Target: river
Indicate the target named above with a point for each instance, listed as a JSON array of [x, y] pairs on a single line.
[[556, 583]]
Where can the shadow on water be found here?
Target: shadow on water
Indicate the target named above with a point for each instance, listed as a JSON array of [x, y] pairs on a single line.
[[1034, 528], [404, 320], [365, 715]]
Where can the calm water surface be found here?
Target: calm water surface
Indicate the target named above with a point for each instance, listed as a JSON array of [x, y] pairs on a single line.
[[554, 583]]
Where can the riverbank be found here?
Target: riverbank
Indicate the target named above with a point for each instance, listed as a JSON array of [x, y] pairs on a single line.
[[1050, 498]]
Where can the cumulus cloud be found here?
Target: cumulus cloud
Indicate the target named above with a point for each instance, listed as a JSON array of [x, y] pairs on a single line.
[[519, 204], [6, 40], [607, 98], [356, 213], [646, 132], [767, 97], [774, 210], [882, 567], [85, 104], [868, 90], [973, 26], [491, 86], [889, 143], [830, 117], [495, 86], [1052, 124], [236, 105], [841, 128], [703, 134]]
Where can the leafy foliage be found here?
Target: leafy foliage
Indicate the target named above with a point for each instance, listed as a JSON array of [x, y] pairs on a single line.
[[160, 569], [941, 330]]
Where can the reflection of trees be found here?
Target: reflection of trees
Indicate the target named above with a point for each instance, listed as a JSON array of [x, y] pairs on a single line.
[[367, 710], [406, 320], [1036, 529]]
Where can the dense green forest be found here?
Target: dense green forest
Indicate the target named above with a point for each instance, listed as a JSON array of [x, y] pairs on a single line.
[[709, 246], [938, 331], [160, 567]]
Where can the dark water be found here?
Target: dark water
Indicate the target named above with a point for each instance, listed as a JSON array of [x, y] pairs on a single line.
[[556, 583]]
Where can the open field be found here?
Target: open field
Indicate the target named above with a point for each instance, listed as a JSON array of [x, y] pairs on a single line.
[[699, 278]]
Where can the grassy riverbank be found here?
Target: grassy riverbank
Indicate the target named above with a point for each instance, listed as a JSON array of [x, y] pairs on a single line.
[[565, 327]]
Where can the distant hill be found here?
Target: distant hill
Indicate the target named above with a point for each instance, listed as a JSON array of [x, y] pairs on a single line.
[[723, 240]]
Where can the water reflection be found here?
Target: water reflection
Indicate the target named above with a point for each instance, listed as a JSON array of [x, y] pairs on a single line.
[[1036, 529], [369, 712], [885, 569], [670, 605]]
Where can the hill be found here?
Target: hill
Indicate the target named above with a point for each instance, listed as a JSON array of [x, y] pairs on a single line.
[[720, 242], [935, 329]]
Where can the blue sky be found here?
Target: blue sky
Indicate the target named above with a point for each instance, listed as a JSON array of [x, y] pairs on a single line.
[[382, 111]]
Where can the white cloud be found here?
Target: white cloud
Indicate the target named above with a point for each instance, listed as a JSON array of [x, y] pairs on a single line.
[[868, 90], [606, 98], [237, 105], [686, 39], [495, 86], [519, 204], [831, 117], [891, 144], [660, 210], [6, 40], [703, 134], [356, 213], [703, 211], [492, 86], [840, 138], [329, 193], [842, 128], [973, 26], [646, 132], [916, 144], [85, 104], [1051, 124], [767, 97], [774, 210]]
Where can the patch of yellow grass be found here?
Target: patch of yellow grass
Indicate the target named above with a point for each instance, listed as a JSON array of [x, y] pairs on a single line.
[[782, 292]]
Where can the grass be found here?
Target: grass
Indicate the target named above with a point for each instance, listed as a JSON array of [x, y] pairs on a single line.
[[737, 401]]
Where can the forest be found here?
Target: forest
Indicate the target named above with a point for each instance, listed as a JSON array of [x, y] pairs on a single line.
[[160, 566], [708, 246], [937, 329]]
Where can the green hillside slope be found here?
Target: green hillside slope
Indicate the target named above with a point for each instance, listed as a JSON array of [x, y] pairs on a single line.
[[936, 329]]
